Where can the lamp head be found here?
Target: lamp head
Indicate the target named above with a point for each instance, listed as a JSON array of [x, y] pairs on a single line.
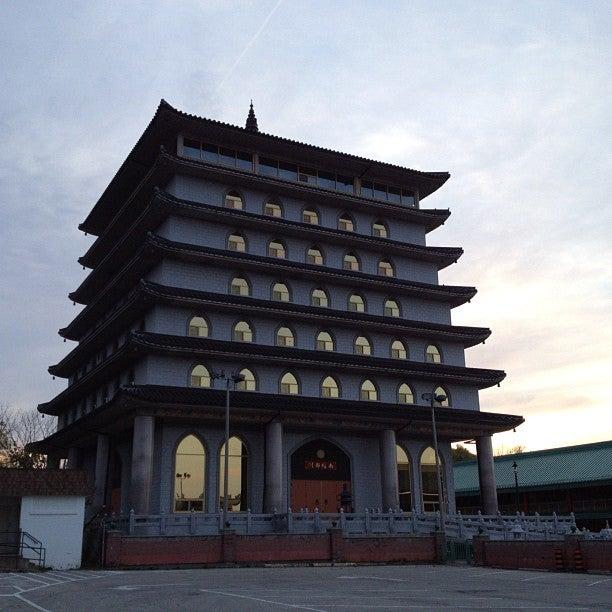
[[238, 377], [440, 398]]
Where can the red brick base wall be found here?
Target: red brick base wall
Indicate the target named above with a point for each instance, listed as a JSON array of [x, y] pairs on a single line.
[[134, 551]]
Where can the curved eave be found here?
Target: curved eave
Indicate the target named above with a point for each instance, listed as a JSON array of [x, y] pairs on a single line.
[[168, 122]]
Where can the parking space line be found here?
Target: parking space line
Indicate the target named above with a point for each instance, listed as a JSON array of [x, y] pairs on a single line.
[[599, 582], [30, 603], [268, 601]]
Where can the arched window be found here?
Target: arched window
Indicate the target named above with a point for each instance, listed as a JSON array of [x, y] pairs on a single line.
[[189, 479], [362, 346], [314, 256], [432, 354], [346, 223], [239, 286], [385, 268], [403, 479], [319, 298], [198, 327], [329, 387], [233, 200], [324, 341], [236, 475], [285, 337], [379, 229], [276, 249], [273, 209], [200, 377], [289, 384], [429, 481], [442, 392], [368, 391], [243, 332], [392, 308], [310, 216], [350, 262], [405, 394], [236, 243], [248, 383], [398, 350], [356, 303], [280, 292]]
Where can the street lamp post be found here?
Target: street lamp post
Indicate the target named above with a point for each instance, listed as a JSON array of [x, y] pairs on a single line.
[[516, 487], [432, 397]]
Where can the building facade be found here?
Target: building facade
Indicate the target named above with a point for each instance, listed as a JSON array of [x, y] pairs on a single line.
[[223, 250]]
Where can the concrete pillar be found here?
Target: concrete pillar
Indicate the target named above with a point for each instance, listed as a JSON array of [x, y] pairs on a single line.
[[388, 470], [142, 464], [74, 458], [486, 474], [101, 471], [273, 497]]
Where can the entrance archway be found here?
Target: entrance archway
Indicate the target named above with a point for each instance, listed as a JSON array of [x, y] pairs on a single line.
[[320, 473]]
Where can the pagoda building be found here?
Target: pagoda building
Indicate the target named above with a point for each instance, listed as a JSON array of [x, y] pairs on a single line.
[[295, 276]]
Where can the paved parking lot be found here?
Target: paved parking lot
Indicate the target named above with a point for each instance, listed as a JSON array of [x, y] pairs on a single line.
[[324, 588]]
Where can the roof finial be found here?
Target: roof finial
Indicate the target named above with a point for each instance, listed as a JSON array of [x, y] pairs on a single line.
[[251, 122]]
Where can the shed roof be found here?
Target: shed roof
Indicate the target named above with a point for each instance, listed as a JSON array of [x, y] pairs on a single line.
[[15, 482]]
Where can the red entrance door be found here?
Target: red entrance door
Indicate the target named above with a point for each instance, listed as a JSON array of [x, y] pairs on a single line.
[[321, 494]]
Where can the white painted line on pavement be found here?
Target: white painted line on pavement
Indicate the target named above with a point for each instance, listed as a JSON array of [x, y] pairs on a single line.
[[30, 603], [268, 601], [599, 581]]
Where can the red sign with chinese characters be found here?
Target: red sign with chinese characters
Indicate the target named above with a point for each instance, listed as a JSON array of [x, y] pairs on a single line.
[[320, 464]]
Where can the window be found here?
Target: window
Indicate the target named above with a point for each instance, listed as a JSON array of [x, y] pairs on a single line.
[[319, 298], [198, 327], [249, 383], [432, 354], [200, 377], [276, 249], [429, 481], [285, 337], [236, 243], [314, 256], [280, 292], [385, 268], [243, 332], [310, 216], [379, 229], [272, 209], [308, 175], [362, 346], [289, 384], [356, 303], [368, 391], [403, 479], [233, 200], [350, 262], [329, 387], [189, 479], [236, 475], [324, 341], [392, 308], [345, 223], [398, 350], [239, 286], [439, 392], [405, 394], [381, 191]]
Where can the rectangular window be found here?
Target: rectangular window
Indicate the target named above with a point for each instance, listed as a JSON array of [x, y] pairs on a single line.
[[244, 160], [227, 157], [210, 152], [408, 197], [380, 191], [344, 183], [287, 171], [268, 166], [394, 194], [308, 175], [366, 189], [327, 180], [191, 148]]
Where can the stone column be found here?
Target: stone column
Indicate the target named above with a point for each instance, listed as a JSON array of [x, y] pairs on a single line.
[[142, 464], [388, 470], [74, 458], [273, 497], [486, 474], [101, 471]]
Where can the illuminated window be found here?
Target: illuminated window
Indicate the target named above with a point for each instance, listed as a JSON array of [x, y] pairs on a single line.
[[345, 223], [319, 298], [429, 481], [398, 350], [362, 346], [189, 478], [236, 243], [289, 384], [200, 377], [356, 303], [239, 286], [379, 229], [273, 210], [324, 341], [441, 392], [368, 391], [350, 262], [392, 308], [280, 292], [249, 382], [385, 268], [314, 256], [404, 479], [276, 249], [243, 332], [198, 327], [285, 337], [236, 475], [329, 387], [405, 394], [233, 200], [310, 216], [432, 354]]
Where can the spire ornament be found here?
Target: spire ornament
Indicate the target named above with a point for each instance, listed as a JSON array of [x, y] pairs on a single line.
[[251, 122]]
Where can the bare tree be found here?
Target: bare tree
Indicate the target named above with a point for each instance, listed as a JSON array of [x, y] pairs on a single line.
[[513, 450]]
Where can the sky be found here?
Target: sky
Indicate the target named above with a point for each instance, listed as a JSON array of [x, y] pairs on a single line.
[[512, 98]]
